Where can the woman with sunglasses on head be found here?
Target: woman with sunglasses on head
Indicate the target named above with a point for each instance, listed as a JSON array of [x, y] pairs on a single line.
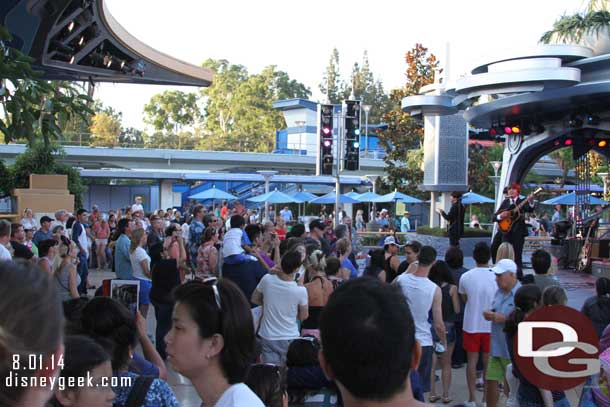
[[207, 255], [212, 342]]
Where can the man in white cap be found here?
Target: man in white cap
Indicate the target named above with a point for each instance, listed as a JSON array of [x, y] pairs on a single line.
[[503, 304], [391, 261]]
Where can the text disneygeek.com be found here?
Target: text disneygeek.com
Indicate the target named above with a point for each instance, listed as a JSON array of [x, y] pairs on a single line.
[[61, 383]]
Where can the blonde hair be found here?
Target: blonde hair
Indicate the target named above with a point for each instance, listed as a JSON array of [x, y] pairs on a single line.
[[62, 255], [317, 260], [342, 246], [136, 236], [505, 251]]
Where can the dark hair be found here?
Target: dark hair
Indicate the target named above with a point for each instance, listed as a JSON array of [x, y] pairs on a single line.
[[303, 352], [82, 354], [14, 228], [291, 261], [208, 233], [233, 321], [554, 295], [80, 211], [122, 225], [541, 261], [376, 264], [253, 231], [427, 255], [45, 245], [375, 363], [5, 228], [31, 318], [171, 228], [112, 325], [602, 286], [268, 382], [333, 265], [70, 222], [297, 230], [414, 245], [440, 273], [207, 219], [527, 298], [237, 221], [341, 231], [481, 253], [454, 257], [197, 209], [456, 194]]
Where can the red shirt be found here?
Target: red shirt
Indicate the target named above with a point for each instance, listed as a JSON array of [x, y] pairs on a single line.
[[281, 233]]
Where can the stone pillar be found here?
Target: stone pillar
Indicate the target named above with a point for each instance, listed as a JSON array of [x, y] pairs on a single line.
[[166, 198]]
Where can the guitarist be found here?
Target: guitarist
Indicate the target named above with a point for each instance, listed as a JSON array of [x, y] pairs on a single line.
[[516, 235]]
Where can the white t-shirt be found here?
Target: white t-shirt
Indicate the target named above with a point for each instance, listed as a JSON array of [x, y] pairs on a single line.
[[479, 285], [231, 243], [136, 257], [239, 395], [185, 232], [419, 292], [4, 253], [281, 300], [136, 207]]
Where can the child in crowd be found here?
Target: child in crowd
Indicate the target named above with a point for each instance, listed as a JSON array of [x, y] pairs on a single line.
[[236, 243], [269, 384]]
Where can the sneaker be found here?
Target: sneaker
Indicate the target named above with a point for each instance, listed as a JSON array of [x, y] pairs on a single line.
[[469, 404]]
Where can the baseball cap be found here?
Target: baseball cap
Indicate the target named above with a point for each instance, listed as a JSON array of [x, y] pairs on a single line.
[[504, 266], [390, 240], [45, 219], [317, 223]]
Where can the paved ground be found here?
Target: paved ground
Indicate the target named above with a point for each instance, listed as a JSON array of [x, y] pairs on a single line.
[[578, 286]]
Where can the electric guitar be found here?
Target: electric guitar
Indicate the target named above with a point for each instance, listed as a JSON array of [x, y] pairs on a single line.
[[506, 224], [584, 260]]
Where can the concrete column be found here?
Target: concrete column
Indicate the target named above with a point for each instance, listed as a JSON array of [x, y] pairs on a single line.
[[166, 194], [433, 215], [445, 204]]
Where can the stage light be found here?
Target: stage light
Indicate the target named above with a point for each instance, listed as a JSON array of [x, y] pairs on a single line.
[[122, 65], [556, 143], [356, 144], [515, 130], [493, 132], [592, 120], [602, 143], [568, 142], [508, 130], [81, 41], [327, 143], [71, 26], [72, 59], [574, 122], [326, 130]]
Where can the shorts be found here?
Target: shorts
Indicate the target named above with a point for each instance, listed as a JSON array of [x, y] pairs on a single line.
[[449, 332], [274, 351], [496, 369], [101, 241], [145, 286], [477, 342]]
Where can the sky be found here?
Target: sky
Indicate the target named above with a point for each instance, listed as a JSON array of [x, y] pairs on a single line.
[[298, 37]]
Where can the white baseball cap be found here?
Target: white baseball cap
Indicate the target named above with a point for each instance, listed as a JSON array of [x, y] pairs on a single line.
[[505, 266], [390, 240]]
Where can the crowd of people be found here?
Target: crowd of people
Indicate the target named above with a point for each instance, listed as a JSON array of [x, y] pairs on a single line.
[[242, 307]]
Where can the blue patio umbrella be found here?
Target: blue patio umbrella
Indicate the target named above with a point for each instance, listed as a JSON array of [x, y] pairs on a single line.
[[474, 198], [353, 194], [570, 199], [330, 199], [397, 196], [214, 194], [304, 196], [274, 197], [368, 197]]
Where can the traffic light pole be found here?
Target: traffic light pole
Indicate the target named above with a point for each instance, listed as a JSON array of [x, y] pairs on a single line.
[[339, 162]]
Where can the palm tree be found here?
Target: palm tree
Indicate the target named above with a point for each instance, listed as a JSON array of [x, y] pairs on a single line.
[[572, 29]]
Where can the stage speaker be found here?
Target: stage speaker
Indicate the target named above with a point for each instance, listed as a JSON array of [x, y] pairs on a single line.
[[601, 249]]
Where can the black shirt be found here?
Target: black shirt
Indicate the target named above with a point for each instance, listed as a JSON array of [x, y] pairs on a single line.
[[21, 251]]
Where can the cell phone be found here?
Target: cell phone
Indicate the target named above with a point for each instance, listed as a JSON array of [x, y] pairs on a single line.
[[127, 292]]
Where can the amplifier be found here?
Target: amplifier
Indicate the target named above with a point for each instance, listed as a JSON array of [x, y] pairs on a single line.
[[600, 248]]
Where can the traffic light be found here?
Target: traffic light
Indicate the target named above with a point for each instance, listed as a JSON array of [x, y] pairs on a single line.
[[325, 125], [352, 135]]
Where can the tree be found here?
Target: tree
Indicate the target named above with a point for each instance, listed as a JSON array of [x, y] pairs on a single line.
[[169, 113], [105, 130], [565, 160], [131, 137], [404, 134], [479, 169], [239, 113], [367, 89], [331, 85]]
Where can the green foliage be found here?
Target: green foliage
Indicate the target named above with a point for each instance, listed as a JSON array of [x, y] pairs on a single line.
[[442, 232], [480, 169], [331, 85], [565, 160], [105, 130], [239, 113], [31, 107], [42, 159], [403, 138], [571, 29]]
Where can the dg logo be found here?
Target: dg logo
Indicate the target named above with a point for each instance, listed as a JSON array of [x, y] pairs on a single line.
[[556, 348]]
